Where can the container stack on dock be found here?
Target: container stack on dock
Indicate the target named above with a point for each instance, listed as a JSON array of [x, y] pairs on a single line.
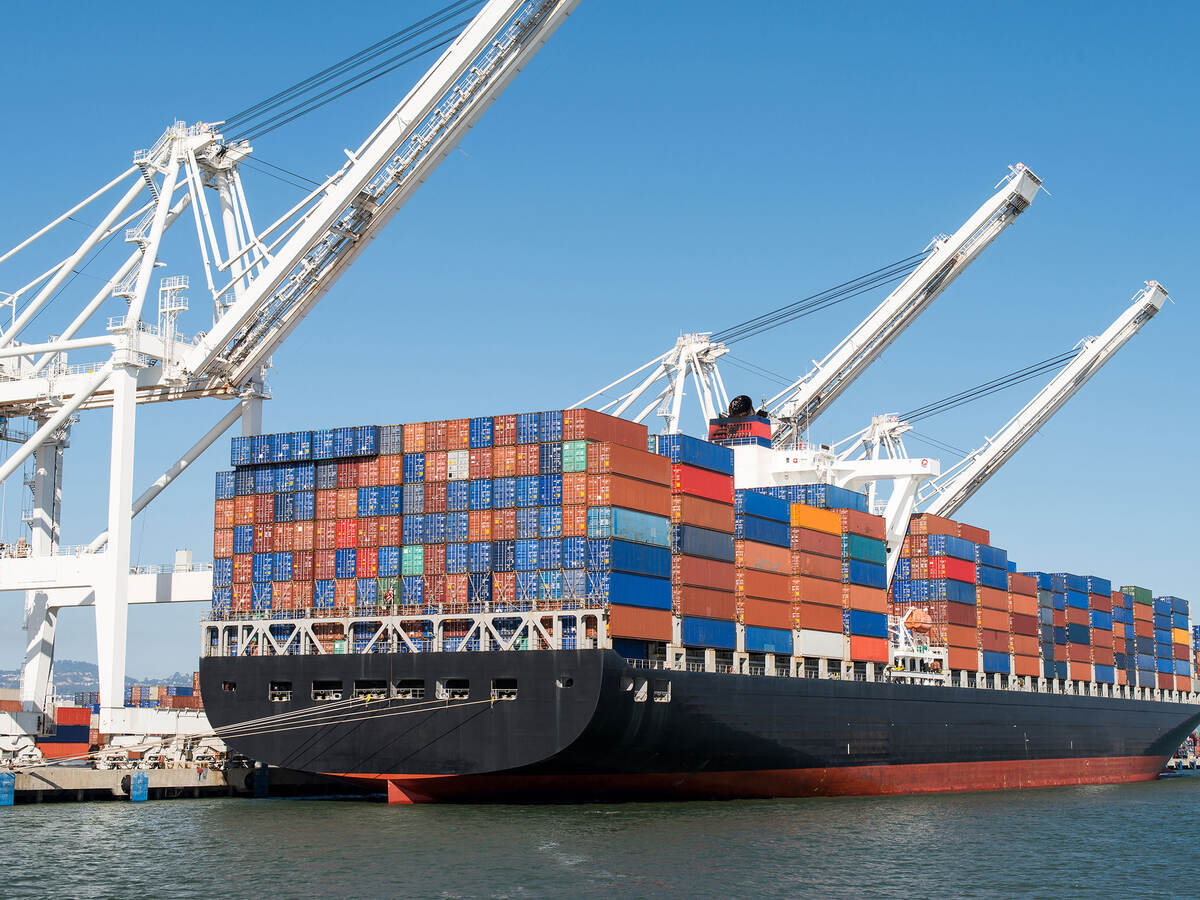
[[72, 733]]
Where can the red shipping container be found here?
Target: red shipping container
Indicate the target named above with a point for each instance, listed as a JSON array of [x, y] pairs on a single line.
[[973, 534], [816, 566], [613, 490], [504, 430], [479, 525], [325, 504], [456, 590], [1143, 612], [1060, 653], [693, 570], [1102, 638], [390, 531], [243, 510], [1026, 585], [347, 475], [1058, 618], [575, 488], [995, 619], [1166, 682], [528, 459], [479, 463], [927, 523], [868, 649], [242, 595], [346, 533], [861, 523], [993, 641], [764, 585], [243, 568], [1022, 624], [955, 569], [1143, 629], [223, 542], [817, 542], [435, 559], [391, 469], [264, 509], [437, 436], [281, 595], [961, 614], [1078, 616], [435, 495], [1019, 604], [73, 715], [701, 483], [345, 591], [1180, 650], [706, 603], [992, 598], [367, 563], [325, 534], [458, 434], [63, 751], [347, 503], [1103, 656], [867, 599], [816, 590], [504, 524], [961, 659], [818, 616], [303, 533], [368, 473], [638, 623], [368, 532], [283, 539], [697, 511], [574, 521], [1030, 666], [504, 461], [766, 613], [302, 565], [324, 564], [614, 459], [1102, 602], [414, 438], [435, 465], [1183, 683], [762, 557], [504, 587], [223, 514], [589, 425], [435, 590], [264, 538]]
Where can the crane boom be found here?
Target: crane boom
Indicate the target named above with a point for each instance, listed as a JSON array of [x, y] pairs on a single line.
[[380, 176], [953, 489], [798, 405]]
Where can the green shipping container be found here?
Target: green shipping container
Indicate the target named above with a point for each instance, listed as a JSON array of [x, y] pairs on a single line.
[[412, 560], [1140, 594], [574, 456], [864, 549]]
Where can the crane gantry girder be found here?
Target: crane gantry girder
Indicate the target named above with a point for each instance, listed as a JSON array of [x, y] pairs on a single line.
[[797, 406]]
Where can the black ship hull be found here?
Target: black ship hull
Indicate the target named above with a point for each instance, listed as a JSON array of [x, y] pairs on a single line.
[[588, 725]]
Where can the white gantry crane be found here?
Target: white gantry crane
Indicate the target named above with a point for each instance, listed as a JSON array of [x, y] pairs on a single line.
[[944, 494], [261, 284], [660, 384]]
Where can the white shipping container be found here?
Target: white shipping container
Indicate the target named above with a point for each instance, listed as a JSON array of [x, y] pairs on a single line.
[[826, 644], [458, 463]]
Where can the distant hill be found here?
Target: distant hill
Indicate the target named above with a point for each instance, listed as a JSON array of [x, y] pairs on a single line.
[[72, 676]]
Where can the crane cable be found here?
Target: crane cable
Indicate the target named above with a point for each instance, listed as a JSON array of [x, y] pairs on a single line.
[[306, 96], [1017, 376], [806, 306]]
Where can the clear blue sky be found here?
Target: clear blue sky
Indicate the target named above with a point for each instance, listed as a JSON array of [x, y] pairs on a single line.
[[670, 166]]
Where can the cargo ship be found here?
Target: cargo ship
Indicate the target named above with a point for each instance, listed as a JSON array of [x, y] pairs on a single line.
[[558, 606]]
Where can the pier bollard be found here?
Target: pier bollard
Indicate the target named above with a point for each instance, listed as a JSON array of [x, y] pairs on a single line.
[[139, 786], [8, 788]]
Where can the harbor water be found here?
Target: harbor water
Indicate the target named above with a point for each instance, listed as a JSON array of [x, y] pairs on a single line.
[[1110, 841]]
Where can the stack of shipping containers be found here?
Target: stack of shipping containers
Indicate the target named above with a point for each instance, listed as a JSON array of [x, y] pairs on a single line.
[[1143, 631], [762, 545], [1024, 612], [1171, 643], [815, 550]]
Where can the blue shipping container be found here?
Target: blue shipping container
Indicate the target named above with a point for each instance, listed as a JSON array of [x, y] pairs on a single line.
[[709, 633], [768, 640]]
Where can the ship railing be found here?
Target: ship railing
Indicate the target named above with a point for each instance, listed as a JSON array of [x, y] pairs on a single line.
[[645, 663], [724, 668], [756, 670]]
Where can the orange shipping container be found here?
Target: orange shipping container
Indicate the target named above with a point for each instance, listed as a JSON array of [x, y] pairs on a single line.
[[1025, 585], [1080, 671], [414, 437], [995, 620], [223, 542], [435, 436], [963, 659], [391, 469], [479, 463], [1021, 605], [575, 489], [868, 649], [504, 460], [613, 490], [766, 613], [303, 539], [992, 598], [614, 459], [574, 521], [589, 425], [458, 434], [283, 538], [223, 514], [504, 523], [962, 636], [816, 519], [638, 623], [973, 534], [867, 599], [763, 557], [702, 572], [1102, 638], [1078, 616], [927, 523], [264, 509], [368, 473], [347, 503], [1103, 656], [765, 585], [816, 590], [528, 459], [707, 603], [1028, 666], [1024, 645], [688, 510], [818, 617]]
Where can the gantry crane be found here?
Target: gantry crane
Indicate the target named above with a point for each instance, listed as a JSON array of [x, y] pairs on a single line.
[[663, 380], [262, 284]]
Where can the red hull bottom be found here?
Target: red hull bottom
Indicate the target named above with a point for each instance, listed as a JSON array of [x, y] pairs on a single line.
[[768, 783]]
